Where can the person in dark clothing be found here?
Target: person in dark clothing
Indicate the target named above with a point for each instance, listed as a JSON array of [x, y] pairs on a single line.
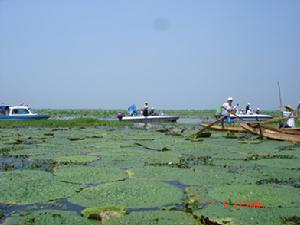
[[146, 109]]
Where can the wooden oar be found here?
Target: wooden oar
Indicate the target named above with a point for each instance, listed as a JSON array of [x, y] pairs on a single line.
[[275, 120], [258, 125], [209, 125]]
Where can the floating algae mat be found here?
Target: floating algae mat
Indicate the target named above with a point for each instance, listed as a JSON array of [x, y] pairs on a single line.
[[155, 177]]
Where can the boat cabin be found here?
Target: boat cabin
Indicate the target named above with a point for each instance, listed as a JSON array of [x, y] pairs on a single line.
[[15, 111]]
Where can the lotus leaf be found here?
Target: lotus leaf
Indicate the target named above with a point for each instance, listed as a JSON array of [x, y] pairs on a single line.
[[249, 216], [89, 175], [268, 195], [49, 217], [154, 218], [132, 193], [76, 159], [32, 187]]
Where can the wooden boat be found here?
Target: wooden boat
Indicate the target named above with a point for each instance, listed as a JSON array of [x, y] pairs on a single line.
[[295, 131], [270, 133], [225, 128], [19, 113]]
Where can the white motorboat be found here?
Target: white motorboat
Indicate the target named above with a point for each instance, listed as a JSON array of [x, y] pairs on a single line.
[[147, 119], [250, 117]]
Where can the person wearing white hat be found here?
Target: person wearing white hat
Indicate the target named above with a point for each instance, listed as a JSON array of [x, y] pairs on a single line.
[[227, 109]]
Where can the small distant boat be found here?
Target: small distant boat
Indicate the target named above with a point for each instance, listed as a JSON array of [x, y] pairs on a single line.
[[20, 112], [250, 117], [147, 119]]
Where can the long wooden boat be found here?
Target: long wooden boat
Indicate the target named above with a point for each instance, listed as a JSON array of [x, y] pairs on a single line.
[[270, 133], [225, 128], [295, 131]]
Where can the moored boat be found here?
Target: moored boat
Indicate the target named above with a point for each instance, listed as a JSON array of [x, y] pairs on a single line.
[[21, 112]]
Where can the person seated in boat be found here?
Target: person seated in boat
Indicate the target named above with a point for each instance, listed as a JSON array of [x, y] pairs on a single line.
[[145, 111], [227, 109], [152, 112], [289, 113], [257, 111]]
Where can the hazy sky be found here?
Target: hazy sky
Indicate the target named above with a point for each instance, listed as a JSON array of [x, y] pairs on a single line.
[[181, 54]]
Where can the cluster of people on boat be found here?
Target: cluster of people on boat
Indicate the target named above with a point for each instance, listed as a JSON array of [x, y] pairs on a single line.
[[145, 110], [228, 109]]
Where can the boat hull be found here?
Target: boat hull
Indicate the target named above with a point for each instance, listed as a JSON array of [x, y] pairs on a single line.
[[250, 118], [34, 117], [271, 133], [150, 119], [225, 128]]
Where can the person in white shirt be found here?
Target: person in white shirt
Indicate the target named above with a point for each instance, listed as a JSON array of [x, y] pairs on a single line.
[[289, 113], [227, 109]]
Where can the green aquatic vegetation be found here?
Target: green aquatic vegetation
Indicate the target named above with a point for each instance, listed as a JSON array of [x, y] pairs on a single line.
[[89, 175], [258, 156], [202, 176], [131, 193], [26, 187], [289, 147], [285, 181], [279, 163], [76, 159], [78, 113], [103, 214], [269, 195], [151, 173], [6, 150], [196, 197], [47, 217], [80, 122], [16, 162], [154, 218], [249, 216]]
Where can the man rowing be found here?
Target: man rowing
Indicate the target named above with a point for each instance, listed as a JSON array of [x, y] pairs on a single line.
[[227, 109]]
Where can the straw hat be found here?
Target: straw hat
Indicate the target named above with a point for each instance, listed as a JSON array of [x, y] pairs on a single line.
[[289, 107]]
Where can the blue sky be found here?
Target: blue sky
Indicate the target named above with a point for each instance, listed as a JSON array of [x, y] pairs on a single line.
[[179, 54]]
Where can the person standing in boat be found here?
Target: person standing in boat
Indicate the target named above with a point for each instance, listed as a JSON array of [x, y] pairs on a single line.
[[248, 109], [146, 109], [298, 109], [227, 109], [289, 113]]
